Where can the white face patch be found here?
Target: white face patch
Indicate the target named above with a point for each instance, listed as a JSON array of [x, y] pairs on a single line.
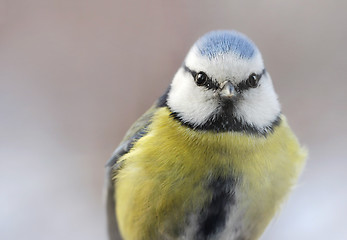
[[257, 107], [192, 103]]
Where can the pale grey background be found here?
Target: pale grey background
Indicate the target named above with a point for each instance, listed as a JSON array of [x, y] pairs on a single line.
[[75, 74]]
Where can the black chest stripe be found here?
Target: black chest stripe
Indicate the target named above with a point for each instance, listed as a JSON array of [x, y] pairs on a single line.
[[225, 122], [213, 216]]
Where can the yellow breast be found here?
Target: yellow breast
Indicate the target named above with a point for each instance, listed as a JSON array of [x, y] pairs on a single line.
[[163, 177]]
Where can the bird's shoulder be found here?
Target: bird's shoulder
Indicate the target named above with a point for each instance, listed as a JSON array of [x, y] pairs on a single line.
[[136, 131]]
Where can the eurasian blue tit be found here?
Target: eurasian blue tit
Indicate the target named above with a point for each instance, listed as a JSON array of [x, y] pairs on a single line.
[[213, 158]]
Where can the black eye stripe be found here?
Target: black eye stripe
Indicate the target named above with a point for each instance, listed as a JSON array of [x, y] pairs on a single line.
[[212, 85], [187, 69], [209, 84], [244, 85]]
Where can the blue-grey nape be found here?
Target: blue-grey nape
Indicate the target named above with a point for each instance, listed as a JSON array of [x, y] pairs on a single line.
[[221, 42]]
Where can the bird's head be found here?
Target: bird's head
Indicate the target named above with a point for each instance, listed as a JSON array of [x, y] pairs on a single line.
[[223, 86]]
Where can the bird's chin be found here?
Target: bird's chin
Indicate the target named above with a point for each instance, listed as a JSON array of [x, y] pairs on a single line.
[[227, 106], [228, 102]]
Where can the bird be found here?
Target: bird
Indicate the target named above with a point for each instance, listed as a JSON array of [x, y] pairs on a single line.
[[213, 158]]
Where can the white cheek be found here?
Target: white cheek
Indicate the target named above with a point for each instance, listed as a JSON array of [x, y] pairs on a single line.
[[259, 107], [193, 104]]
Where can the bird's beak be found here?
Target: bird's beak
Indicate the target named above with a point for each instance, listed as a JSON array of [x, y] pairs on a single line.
[[227, 90]]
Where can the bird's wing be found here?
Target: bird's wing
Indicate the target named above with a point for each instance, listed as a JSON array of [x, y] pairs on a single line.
[[136, 131]]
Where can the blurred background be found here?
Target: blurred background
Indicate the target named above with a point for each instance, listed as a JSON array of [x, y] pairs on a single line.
[[75, 74]]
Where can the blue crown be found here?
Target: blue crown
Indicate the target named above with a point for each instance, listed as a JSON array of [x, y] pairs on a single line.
[[216, 43]]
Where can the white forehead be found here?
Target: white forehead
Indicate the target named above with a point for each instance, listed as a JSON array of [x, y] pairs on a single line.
[[225, 55]]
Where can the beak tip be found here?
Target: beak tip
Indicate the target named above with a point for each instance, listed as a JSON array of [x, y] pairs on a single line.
[[228, 90]]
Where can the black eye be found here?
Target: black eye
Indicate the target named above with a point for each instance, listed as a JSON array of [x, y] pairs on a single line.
[[201, 78], [253, 80]]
